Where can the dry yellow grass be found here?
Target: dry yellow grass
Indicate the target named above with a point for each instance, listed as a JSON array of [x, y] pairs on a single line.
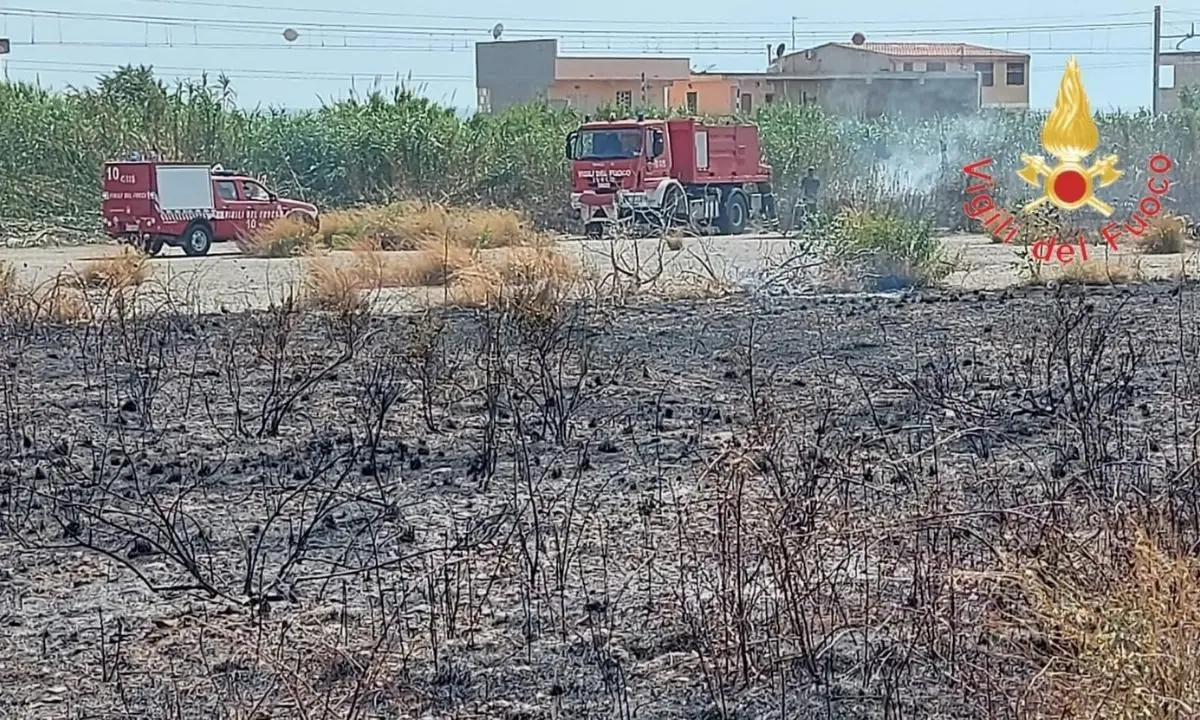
[[432, 264], [127, 268], [1166, 235], [285, 237], [332, 287], [62, 300], [8, 280], [1119, 639], [13, 297], [412, 225], [1102, 272], [398, 226], [531, 279], [379, 271], [481, 256]]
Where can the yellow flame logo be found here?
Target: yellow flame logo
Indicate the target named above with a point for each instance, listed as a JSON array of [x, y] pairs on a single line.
[[1070, 135]]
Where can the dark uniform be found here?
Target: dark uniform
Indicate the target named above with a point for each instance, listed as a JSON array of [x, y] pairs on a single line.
[[809, 187], [806, 208]]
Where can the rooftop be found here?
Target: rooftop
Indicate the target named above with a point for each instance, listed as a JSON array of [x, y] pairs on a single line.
[[926, 49], [873, 76]]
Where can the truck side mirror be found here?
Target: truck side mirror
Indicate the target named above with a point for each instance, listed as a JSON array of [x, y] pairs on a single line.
[[656, 145], [570, 149]]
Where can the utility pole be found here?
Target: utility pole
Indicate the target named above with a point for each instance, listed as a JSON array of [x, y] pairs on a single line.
[[1157, 55], [793, 47]]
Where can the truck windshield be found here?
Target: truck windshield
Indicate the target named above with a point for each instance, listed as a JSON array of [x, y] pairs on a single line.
[[609, 144]]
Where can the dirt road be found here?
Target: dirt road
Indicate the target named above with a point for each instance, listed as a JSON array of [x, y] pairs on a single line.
[[228, 280]]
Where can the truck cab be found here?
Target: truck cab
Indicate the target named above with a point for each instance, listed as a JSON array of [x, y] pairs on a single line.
[[668, 173], [152, 204]]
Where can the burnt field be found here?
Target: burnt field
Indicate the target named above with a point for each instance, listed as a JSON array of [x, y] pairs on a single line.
[[942, 506]]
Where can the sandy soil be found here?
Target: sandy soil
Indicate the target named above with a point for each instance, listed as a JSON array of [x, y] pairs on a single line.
[[229, 281]]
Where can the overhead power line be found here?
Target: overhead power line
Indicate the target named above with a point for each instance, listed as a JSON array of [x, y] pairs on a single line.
[[426, 48], [52, 66], [262, 73], [617, 21], [433, 31]]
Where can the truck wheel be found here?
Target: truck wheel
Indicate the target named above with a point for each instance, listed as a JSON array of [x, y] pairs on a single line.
[[594, 230], [196, 240], [733, 219], [303, 217]]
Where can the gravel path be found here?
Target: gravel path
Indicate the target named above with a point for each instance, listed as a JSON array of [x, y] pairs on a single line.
[[230, 281]]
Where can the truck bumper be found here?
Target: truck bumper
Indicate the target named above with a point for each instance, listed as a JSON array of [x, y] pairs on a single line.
[[609, 207]]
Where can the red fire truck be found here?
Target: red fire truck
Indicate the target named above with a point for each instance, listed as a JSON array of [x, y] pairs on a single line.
[[151, 204], [663, 173]]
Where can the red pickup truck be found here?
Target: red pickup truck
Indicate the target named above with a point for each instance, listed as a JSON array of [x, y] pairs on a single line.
[[151, 204]]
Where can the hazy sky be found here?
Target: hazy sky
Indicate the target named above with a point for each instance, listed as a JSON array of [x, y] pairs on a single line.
[[70, 42]]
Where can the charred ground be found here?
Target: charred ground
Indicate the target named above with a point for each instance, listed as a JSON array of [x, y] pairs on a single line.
[[738, 508]]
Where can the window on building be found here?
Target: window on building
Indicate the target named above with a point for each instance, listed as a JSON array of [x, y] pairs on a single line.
[[908, 67], [1166, 77], [986, 73], [693, 103], [769, 98], [747, 103], [1015, 74], [935, 66], [625, 98]]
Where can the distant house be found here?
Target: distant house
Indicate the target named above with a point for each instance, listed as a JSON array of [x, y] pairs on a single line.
[[853, 80], [1178, 74], [513, 72], [587, 83], [1003, 75], [864, 94]]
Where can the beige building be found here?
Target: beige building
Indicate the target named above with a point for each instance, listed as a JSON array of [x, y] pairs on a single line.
[[587, 83], [1003, 75], [867, 94], [852, 80], [1178, 75], [512, 72]]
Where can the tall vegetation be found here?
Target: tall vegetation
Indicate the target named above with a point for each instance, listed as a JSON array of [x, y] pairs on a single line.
[[399, 145]]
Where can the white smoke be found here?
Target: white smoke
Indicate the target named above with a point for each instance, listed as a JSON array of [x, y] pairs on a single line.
[[910, 172], [944, 148]]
